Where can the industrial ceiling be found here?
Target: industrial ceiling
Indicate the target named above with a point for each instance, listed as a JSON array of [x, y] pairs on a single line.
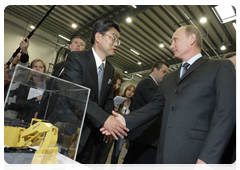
[[151, 25]]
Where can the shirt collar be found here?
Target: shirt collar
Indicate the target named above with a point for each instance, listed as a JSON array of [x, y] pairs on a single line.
[[98, 60], [193, 59], [154, 79]]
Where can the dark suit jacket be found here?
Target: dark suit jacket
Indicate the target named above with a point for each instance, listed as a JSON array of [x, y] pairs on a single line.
[[148, 133], [199, 112], [80, 68]]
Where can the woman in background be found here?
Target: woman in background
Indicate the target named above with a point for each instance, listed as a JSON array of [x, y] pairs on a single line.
[[108, 140], [38, 81], [124, 109]]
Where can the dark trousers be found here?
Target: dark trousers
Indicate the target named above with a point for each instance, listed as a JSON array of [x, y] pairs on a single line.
[[229, 155], [100, 152], [139, 153], [84, 156]]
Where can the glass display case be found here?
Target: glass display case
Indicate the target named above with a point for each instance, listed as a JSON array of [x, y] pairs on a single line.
[[58, 104]]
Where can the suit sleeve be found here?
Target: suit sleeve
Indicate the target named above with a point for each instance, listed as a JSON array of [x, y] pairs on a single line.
[[224, 115], [108, 107], [74, 73], [148, 90], [147, 112]]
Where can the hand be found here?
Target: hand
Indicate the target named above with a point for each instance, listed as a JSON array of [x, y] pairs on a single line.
[[6, 66], [108, 138], [24, 45], [120, 119], [35, 115], [114, 126], [201, 165], [39, 98], [116, 108]]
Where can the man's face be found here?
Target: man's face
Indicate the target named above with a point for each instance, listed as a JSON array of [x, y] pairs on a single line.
[[161, 73], [180, 44], [77, 45], [107, 45], [16, 60], [233, 59]]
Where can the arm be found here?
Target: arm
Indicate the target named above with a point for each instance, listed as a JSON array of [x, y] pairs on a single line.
[[142, 115], [74, 73], [224, 115]]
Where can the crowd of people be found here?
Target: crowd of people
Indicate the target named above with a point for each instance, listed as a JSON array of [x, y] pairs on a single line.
[[187, 116]]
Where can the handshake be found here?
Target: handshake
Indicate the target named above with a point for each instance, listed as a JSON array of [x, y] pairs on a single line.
[[115, 125]]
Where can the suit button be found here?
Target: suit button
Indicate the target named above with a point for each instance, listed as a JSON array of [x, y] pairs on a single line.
[[176, 92], [172, 108]]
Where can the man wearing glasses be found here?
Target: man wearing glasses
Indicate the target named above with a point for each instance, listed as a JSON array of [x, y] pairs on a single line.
[[91, 69]]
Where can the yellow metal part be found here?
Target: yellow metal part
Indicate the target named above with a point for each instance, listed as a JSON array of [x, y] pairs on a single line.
[[42, 134]]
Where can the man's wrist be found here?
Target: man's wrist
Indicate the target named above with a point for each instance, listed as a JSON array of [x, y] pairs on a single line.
[[24, 52]]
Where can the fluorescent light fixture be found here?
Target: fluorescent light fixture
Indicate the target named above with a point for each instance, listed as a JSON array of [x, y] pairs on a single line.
[[126, 72], [129, 19], [223, 47], [134, 51], [74, 25], [32, 27], [139, 75], [64, 37], [225, 13], [203, 20], [134, 6], [235, 26], [139, 63]]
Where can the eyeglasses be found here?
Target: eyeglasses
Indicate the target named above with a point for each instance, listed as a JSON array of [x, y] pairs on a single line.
[[114, 39]]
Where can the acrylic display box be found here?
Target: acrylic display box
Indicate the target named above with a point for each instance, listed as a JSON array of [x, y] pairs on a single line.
[[32, 94]]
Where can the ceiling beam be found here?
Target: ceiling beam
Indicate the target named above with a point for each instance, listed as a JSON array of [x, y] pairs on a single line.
[[121, 16], [177, 61]]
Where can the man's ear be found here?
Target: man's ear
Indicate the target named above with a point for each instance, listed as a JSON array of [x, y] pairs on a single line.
[[97, 37], [193, 39]]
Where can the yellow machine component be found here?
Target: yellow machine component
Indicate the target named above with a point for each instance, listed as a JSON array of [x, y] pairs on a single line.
[[40, 133]]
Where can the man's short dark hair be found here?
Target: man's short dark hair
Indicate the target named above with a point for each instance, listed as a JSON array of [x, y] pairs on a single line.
[[158, 65], [103, 26], [229, 55]]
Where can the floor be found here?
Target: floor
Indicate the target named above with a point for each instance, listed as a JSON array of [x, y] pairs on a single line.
[[120, 160]]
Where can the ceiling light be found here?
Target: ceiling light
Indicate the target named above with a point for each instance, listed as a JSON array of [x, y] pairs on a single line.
[[225, 13], [134, 6], [161, 45], [134, 51], [235, 26], [126, 72], [223, 47], [74, 25], [203, 20], [139, 75], [32, 27], [64, 37], [129, 19], [139, 63]]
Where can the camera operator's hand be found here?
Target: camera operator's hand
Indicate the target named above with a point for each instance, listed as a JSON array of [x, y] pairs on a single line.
[[24, 45]]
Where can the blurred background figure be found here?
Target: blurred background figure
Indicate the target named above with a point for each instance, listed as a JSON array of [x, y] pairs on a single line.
[[124, 109]]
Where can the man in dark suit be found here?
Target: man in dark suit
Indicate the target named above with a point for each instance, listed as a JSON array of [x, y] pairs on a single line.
[[229, 155], [199, 106], [77, 44], [83, 67], [143, 140]]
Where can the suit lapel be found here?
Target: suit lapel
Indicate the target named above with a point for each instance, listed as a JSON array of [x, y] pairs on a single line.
[[91, 65], [193, 67], [105, 80]]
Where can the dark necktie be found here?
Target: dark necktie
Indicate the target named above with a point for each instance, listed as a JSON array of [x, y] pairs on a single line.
[[100, 77], [184, 69]]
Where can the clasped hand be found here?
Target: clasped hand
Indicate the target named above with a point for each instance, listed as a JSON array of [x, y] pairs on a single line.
[[115, 125]]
